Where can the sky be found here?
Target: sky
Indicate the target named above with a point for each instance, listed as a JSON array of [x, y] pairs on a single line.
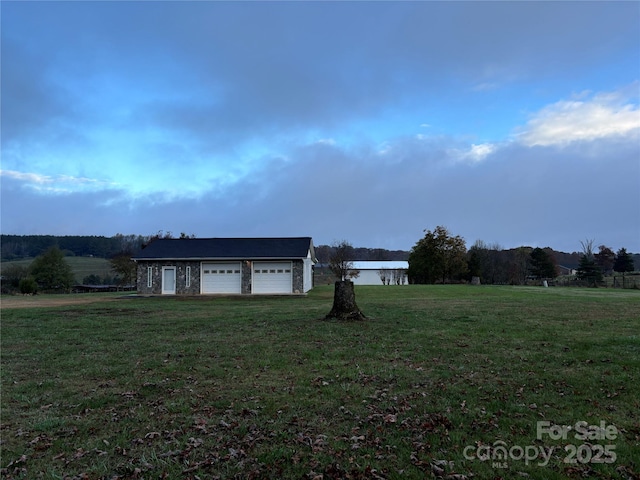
[[513, 123]]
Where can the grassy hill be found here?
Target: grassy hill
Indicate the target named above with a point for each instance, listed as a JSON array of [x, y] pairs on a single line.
[[81, 266]]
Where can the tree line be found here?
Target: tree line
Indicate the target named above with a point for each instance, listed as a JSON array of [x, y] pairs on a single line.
[[358, 254], [14, 247], [440, 257]]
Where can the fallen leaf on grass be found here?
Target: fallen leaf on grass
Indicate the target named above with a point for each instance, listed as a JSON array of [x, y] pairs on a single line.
[[22, 459], [194, 442], [437, 471], [389, 418]]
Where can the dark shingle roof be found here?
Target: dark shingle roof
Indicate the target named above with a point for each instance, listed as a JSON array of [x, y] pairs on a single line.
[[227, 248]]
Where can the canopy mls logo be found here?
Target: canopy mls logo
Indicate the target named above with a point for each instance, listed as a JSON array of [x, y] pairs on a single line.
[[499, 453]]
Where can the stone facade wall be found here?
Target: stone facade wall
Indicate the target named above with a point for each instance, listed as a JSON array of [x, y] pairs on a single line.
[[181, 278], [194, 288], [298, 276], [245, 281], [142, 278], [156, 280]]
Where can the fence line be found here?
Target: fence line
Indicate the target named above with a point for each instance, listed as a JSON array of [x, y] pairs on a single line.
[[631, 281]]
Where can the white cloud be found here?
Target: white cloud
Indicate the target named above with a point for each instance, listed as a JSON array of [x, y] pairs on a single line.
[[604, 115], [475, 153], [25, 177], [57, 183], [326, 141], [478, 153], [484, 87]]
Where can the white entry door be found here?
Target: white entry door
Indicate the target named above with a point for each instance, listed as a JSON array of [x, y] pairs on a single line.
[[272, 277], [168, 280]]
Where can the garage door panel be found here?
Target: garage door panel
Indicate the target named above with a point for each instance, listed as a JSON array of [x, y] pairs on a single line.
[[272, 277], [221, 277]]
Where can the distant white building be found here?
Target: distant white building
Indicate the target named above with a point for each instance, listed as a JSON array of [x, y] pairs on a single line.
[[373, 273]]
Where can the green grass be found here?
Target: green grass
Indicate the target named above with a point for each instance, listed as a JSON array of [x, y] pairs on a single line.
[[261, 387]]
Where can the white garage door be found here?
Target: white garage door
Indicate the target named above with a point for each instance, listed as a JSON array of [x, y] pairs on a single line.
[[272, 277], [221, 277]]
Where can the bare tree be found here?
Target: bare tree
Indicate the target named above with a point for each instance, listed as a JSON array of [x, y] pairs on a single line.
[[384, 275], [399, 276], [341, 261], [587, 247]]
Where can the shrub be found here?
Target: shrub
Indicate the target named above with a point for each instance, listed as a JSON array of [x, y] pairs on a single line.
[[28, 286]]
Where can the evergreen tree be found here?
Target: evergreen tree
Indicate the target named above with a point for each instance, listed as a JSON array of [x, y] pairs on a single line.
[[541, 264], [589, 270], [623, 262]]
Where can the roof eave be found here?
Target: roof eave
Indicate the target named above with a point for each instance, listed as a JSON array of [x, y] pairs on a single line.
[[209, 259]]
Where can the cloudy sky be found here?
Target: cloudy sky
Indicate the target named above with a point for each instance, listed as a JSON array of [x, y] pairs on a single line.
[[508, 122]]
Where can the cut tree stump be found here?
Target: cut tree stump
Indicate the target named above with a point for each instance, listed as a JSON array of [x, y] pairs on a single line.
[[344, 303]]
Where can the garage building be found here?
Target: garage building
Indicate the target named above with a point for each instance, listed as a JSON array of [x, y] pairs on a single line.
[[193, 266]]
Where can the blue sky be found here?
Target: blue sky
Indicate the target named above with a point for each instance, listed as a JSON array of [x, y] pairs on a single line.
[[513, 123]]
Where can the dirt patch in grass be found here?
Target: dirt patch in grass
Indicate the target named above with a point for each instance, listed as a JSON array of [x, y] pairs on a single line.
[[34, 301]]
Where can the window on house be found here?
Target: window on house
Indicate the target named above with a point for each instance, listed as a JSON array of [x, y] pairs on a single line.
[[149, 277], [187, 280]]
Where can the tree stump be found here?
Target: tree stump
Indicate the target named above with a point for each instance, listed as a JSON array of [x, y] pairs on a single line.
[[344, 303]]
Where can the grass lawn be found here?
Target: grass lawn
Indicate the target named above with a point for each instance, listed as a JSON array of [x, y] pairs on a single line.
[[439, 381]]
